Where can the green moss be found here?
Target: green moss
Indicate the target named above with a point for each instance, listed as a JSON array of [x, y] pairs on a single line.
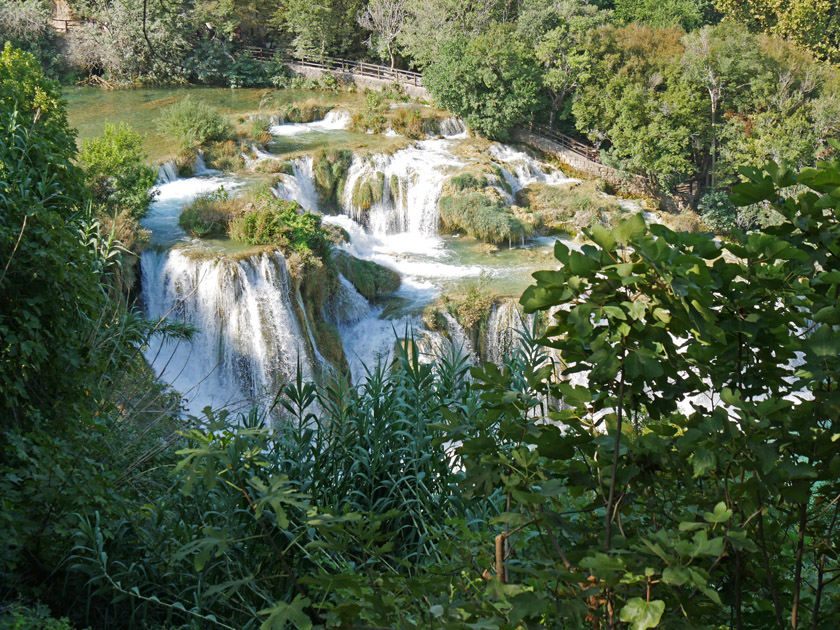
[[304, 112], [466, 181], [330, 168], [370, 279], [481, 216], [501, 180], [395, 189], [377, 186], [362, 195]]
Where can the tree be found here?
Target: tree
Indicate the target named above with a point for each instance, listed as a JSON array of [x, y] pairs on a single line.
[[687, 14], [557, 30], [433, 23], [491, 81], [116, 171], [813, 24], [636, 102], [386, 18], [321, 28], [724, 60]]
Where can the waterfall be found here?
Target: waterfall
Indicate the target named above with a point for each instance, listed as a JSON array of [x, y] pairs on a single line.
[[200, 167], [413, 181], [248, 338], [347, 305], [526, 170], [335, 120], [502, 333], [453, 127], [458, 338], [167, 172], [300, 186]]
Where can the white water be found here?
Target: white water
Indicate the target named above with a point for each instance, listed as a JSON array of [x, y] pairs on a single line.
[[248, 340], [421, 170], [347, 306], [521, 169], [300, 186], [504, 329], [453, 127], [335, 120], [167, 172]]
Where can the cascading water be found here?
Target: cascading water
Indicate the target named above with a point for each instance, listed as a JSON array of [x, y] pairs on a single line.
[[458, 338], [347, 306], [503, 331], [248, 339], [453, 127], [413, 179], [300, 185], [335, 120], [525, 169], [167, 172]]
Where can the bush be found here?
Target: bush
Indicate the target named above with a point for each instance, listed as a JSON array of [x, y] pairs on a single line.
[[409, 122], [306, 111], [372, 117], [19, 617], [116, 171], [193, 123], [570, 210], [272, 221], [468, 180], [209, 214], [717, 212]]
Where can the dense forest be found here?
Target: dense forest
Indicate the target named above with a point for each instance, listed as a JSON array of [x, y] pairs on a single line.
[[661, 449]]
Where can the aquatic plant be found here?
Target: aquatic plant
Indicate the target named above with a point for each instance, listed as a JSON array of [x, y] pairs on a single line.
[[330, 167], [482, 217], [192, 123]]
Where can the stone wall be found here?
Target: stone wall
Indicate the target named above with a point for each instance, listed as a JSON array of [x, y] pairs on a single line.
[[359, 80], [627, 182]]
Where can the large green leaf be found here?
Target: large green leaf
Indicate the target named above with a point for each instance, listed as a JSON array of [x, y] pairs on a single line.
[[641, 614]]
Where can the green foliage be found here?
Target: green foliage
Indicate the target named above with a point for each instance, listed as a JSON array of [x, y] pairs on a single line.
[[209, 214], [116, 172], [687, 14], [40, 231], [304, 112], [321, 29], [19, 617], [480, 216], [571, 209], [467, 180], [26, 26], [490, 81], [718, 212], [372, 117], [192, 123], [370, 279], [812, 24], [282, 223]]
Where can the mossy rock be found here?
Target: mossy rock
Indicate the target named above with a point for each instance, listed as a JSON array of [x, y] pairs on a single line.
[[330, 168], [370, 279], [395, 189], [362, 195], [377, 187]]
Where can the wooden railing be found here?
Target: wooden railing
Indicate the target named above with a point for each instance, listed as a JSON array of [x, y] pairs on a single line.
[[333, 64], [584, 150], [65, 26]]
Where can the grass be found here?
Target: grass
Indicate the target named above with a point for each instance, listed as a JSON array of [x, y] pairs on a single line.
[[482, 215], [556, 210]]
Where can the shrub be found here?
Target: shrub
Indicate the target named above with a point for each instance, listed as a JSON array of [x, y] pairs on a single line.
[[193, 123], [372, 117], [209, 214], [272, 221], [16, 616], [305, 111], [116, 171], [570, 210], [468, 180], [259, 127], [409, 122], [273, 165]]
